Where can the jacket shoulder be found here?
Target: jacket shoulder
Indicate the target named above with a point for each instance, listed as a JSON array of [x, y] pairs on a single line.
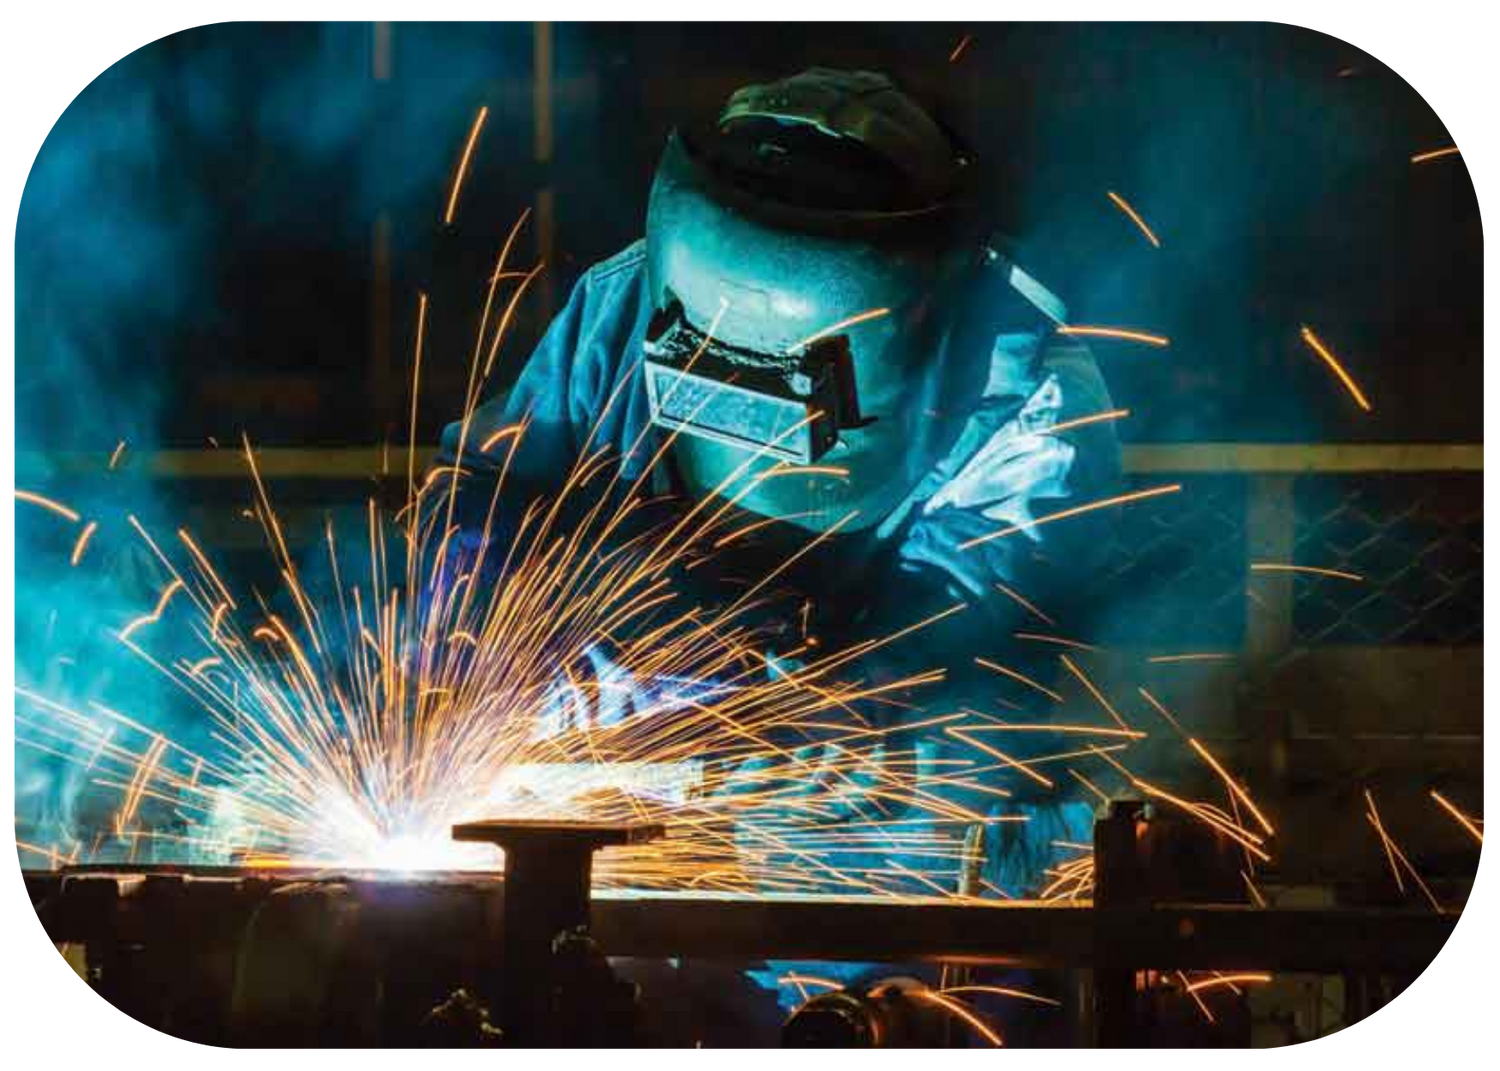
[[627, 262]]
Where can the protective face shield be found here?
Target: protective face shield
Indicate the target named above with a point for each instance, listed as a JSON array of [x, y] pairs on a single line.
[[803, 256]]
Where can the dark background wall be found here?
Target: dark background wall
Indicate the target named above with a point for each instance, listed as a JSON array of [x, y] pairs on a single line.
[[228, 228]]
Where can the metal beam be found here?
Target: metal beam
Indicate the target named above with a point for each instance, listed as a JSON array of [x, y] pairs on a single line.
[[123, 905], [362, 462]]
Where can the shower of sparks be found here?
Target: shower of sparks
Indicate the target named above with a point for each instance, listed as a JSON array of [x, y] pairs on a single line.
[[835, 328], [1312, 570], [82, 543], [1122, 333], [1073, 511], [1326, 356], [48, 504], [355, 726], [463, 164], [1209, 815], [958, 49], [1135, 217], [1434, 154], [1072, 879], [1469, 824]]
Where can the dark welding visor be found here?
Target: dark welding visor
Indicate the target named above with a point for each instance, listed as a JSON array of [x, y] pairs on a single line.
[[788, 406]]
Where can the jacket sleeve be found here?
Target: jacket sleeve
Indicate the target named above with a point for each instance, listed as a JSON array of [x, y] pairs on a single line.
[[558, 396], [987, 522], [978, 536]]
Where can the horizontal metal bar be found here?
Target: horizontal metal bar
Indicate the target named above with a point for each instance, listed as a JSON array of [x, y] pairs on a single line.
[[363, 462], [166, 904], [1304, 457]]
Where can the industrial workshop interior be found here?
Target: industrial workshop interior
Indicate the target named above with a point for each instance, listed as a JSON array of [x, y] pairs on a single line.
[[728, 535]]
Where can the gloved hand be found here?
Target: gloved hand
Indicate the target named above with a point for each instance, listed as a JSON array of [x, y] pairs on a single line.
[[801, 776], [601, 694]]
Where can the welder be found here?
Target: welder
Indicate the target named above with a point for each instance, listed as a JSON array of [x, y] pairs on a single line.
[[821, 287]]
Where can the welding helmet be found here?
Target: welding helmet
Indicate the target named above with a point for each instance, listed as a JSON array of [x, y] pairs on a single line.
[[804, 250]]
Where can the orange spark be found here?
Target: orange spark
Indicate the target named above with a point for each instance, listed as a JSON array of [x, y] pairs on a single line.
[[1316, 344], [958, 49], [199, 666], [1229, 980], [1017, 598], [1201, 656], [1188, 989], [155, 615], [48, 504], [833, 329], [1014, 675], [1077, 645], [504, 433], [1088, 785], [1000, 991], [1423, 157], [463, 164], [1229, 783], [962, 1011], [416, 378], [1093, 691], [1458, 816], [796, 978], [114, 458], [1283, 567], [1073, 511], [836, 471], [1162, 710], [1135, 217], [1083, 421], [1055, 727], [755, 526], [1114, 332], [83, 542]]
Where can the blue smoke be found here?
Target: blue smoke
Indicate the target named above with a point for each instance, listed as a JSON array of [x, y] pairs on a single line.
[[167, 183]]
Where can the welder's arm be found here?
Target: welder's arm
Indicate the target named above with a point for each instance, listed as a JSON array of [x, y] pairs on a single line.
[[557, 397], [984, 529]]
